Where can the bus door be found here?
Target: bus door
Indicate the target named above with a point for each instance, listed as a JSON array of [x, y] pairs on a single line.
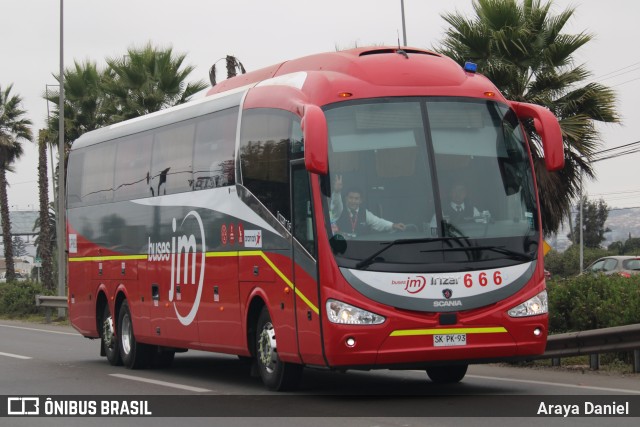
[[305, 272]]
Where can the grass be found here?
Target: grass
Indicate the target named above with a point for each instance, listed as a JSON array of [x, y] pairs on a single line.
[[610, 363], [38, 318]]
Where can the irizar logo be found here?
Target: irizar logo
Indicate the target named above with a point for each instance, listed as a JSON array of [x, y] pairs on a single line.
[[182, 251]]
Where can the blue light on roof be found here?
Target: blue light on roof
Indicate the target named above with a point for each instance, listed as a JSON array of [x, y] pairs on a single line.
[[470, 67]]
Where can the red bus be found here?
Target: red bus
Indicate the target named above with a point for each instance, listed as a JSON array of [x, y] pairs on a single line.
[[302, 215]]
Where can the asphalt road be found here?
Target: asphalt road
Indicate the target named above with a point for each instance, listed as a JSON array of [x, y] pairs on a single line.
[[45, 360]]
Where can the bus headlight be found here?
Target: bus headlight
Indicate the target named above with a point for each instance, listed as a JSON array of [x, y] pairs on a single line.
[[532, 307], [346, 314]]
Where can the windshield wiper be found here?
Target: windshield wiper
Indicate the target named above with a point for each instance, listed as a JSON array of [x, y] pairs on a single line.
[[518, 256], [371, 258]]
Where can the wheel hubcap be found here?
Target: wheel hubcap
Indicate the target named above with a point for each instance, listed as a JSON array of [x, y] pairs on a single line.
[[107, 332], [126, 334], [267, 347]]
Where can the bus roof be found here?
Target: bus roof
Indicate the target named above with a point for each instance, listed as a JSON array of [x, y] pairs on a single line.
[[373, 71]]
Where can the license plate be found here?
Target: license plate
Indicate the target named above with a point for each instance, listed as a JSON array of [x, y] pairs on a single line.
[[449, 340]]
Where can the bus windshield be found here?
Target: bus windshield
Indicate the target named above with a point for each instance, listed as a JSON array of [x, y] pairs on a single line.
[[442, 184]]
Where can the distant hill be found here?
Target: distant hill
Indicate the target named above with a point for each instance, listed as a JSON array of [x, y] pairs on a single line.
[[622, 222], [22, 223]]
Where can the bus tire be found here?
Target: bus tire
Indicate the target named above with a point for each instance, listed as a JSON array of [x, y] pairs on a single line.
[[276, 374], [134, 355], [108, 338], [449, 374]]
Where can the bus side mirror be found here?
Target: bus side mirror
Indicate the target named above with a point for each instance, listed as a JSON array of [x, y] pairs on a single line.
[[549, 130], [314, 129]]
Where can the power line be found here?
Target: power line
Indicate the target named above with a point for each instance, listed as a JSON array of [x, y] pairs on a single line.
[[619, 192], [617, 148], [624, 83], [615, 74], [620, 74], [622, 209], [615, 71], [630, 149], [23, 182], [613, 156], [576, 211]]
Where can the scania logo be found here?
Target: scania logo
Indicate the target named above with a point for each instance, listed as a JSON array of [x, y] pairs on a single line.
[[447, 293], [447, 303], [182, 251]]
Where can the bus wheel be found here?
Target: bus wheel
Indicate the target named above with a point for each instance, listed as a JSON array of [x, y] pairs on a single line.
[[134, 355], [108, 338], [447, 374], [276, 374]]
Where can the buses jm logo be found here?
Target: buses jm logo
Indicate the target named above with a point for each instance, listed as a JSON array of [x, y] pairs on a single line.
[[183, 253]]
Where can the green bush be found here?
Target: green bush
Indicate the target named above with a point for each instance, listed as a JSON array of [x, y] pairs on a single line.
[[567, 263], [19, 298], [593, 301]]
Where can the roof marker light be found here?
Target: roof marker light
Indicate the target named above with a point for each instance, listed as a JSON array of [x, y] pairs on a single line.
[[470, 67], [345, 95], [490, 94]]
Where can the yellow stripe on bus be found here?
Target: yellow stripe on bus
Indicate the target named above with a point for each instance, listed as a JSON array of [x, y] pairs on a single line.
[[108, 258], [214, 255], [283, 277], [444, 331]]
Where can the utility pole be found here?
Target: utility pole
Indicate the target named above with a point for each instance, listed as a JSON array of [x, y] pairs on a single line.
[[404, 28], [581, 231], [61, 225]]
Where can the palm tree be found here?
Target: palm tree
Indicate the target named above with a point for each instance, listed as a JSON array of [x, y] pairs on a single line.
[[521, 48], [13, 128], [51, 217], [83, 103], [147, 80], [233, 67], [44, 244]]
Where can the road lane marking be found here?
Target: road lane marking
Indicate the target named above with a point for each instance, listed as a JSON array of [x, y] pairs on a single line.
[[39, 330], [547, 383], [162, 383], [15, 356]]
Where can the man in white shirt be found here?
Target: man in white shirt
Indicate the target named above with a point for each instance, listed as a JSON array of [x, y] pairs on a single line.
[[458, 209], [355, 220]]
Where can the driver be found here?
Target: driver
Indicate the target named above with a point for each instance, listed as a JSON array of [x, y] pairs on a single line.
[[356, 219], [459, 208]]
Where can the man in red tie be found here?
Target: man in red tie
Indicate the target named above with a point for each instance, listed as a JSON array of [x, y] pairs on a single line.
[[459, 209], [356, 219]]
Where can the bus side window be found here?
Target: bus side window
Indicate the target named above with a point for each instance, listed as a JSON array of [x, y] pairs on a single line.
[[97, 171], [133, 159], [302, 211], [214, 151], [74, 178], [265, 144], [171, 169]]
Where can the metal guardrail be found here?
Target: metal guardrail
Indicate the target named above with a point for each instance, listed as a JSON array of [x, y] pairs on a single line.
[[50, 302], [593, 343]]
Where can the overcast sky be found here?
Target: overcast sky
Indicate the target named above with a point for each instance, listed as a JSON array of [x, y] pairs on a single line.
[[261, 33]]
